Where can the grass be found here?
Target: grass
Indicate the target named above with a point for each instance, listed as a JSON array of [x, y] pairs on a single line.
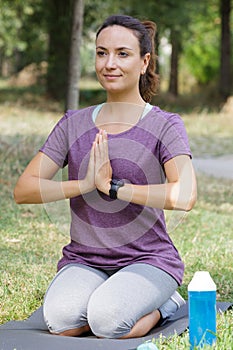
[[31, 242]]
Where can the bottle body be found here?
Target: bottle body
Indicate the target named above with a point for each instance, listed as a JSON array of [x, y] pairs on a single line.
[[202, 310], [202, 318]]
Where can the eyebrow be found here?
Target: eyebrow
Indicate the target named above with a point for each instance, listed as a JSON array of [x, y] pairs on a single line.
[[119, 48]]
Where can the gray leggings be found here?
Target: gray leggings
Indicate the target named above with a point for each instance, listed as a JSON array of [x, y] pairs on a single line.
[[110, 302]]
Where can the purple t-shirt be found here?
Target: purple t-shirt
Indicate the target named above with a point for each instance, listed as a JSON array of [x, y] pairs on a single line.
[[109, 233]]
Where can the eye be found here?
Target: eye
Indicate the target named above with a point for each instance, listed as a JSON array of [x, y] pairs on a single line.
[[100, 53], [123, 54]]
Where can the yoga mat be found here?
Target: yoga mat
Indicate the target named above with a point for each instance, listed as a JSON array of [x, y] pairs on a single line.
[[32, 334]]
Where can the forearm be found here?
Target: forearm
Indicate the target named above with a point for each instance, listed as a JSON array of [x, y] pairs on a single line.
[[162, 196], [178, 193], [35, 190]]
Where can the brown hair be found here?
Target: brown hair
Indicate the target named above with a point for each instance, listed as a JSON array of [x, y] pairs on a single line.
[[145, 32]]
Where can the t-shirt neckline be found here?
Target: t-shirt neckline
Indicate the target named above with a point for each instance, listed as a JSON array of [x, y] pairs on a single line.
[[148, 107]]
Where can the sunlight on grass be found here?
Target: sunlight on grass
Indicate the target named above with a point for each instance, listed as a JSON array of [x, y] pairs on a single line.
[[210, 134]]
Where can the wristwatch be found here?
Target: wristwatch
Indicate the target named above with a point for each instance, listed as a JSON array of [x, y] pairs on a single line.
[[115, 185]]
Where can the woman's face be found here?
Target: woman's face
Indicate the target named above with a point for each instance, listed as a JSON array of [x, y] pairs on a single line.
[[118, 61]]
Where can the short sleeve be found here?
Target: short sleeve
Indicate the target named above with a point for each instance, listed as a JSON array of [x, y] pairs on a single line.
[[173, 139], [56, 145]]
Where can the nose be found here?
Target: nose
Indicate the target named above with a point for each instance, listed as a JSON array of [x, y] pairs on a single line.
[[111, 62]]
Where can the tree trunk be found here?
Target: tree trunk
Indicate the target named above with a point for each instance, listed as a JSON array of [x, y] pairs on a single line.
[[225, 59], [173, 84], [59, 28], [157, 70], [72, 97]]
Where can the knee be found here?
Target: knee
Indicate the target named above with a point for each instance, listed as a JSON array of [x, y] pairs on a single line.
[[62, 317], [54, 319], [107, 320]]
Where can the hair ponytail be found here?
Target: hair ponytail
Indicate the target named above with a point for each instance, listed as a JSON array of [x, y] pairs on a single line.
[[148, 84]]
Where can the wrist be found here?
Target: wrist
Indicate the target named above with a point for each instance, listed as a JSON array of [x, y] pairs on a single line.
[[85, 187], [105, 187]]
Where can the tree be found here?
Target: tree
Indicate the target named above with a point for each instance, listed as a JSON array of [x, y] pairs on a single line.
[[59, 23], [174, 63], [225, 55], [74, 62]]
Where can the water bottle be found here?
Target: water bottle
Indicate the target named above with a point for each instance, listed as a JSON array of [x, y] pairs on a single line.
[[202, 310]]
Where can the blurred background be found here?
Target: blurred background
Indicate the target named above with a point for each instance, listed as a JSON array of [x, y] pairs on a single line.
[[193, 46]]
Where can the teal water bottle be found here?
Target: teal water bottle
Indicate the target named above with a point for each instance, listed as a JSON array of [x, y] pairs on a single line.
[[202, 310]]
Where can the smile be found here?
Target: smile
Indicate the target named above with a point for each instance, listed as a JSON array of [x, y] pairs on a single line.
[[111, 77]]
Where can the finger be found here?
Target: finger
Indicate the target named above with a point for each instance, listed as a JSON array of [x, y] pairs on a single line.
[[92, 153], [105, 138], [102, 132], [97, 138], [103, 148]]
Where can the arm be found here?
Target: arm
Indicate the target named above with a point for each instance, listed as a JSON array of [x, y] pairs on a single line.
[[179, 192], [35, 185]]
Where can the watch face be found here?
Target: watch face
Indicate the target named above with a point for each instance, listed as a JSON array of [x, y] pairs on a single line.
[[118, 183]]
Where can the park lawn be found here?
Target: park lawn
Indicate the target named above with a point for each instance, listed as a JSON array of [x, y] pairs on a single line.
[[31, 237]]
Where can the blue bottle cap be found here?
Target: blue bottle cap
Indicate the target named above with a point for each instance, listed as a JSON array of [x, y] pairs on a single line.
[[147, 346]]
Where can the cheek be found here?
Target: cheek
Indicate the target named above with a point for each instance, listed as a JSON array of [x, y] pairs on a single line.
[[98, 69], [98, 65], [136, 69]]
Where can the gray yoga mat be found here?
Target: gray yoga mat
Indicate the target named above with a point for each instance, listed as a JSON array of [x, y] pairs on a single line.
[[32, 334]]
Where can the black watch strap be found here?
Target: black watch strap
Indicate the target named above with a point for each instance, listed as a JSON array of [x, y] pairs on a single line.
[[115, 185]]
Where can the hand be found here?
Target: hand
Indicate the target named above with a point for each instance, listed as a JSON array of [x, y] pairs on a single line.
[[103, 169], [88, 184]]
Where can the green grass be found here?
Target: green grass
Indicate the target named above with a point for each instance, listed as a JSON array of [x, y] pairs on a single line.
[[31, 243]]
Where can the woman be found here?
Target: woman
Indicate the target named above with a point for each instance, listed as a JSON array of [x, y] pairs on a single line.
[[127, 161]]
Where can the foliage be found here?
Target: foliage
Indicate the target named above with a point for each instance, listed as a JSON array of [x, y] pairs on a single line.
[[103, 8], [202, 42], [167, 13], [22, 36], [36, 30]]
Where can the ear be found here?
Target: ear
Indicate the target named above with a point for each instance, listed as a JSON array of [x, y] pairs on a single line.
[[145, 62]]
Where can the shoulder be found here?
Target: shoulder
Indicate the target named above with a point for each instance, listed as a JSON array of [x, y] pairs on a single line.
[[162, 120], [165, 115], [74, 118]]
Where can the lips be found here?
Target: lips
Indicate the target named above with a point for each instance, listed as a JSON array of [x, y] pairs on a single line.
[[111, 76]]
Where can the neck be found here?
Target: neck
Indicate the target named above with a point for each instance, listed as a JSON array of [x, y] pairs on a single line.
[[125, 98], [115, 117]]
